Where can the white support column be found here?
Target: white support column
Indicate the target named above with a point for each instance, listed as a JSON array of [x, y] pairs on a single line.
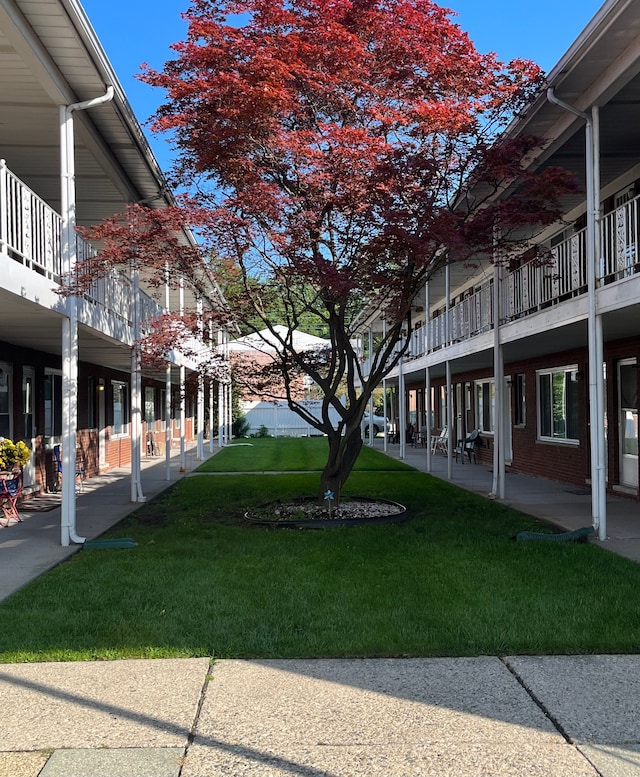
[[427, 377], [168, 421], [384, 393], [451, 430], [221, 415], [498, 488], [428, 411], [69, 328], [3, 205], [599, 337], [70, 322], [211, 394], [594, 327], [183, 398], [136, 389], [200, 408], [370, 430], [229, 393], [402, 410]]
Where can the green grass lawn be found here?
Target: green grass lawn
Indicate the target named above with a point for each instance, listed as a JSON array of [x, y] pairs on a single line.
[[450, 581], [289, 454]]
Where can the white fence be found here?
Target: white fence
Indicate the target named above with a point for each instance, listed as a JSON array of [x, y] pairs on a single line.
[[280, 421]]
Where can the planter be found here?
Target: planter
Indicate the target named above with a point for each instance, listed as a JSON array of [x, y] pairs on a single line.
[[307, 513]]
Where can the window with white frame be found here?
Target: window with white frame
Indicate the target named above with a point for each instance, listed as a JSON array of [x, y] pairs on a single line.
[[486, 405], [120, 425], [163, 408], [52, 403], [149, 406], [558, 404]]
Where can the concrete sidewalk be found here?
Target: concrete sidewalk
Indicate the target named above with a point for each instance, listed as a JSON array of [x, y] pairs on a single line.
[[564, 505], [554, 716], [30, 548], [566, 716]]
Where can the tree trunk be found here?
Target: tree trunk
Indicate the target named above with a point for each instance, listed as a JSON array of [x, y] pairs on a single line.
[[343, 453]]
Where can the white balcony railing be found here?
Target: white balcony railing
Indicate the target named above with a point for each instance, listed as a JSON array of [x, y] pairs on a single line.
[[537, 285], [30, 233]]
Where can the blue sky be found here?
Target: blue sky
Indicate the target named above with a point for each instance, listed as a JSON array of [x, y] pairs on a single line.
[[135, 31]]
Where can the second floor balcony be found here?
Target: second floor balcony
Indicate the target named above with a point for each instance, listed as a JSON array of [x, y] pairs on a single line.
[[539, 284], [30, 234]]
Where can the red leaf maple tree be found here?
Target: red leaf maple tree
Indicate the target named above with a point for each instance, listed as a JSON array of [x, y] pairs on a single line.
[[339, 153]]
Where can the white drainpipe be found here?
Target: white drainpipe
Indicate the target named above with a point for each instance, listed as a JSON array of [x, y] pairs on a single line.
[[594, 335], [70, 321]]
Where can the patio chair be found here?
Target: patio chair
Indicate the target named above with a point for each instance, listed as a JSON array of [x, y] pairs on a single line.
[[79, 470], [468, 446], [440, 442], [10, 492]]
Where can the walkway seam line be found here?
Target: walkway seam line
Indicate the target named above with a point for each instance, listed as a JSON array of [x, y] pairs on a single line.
[[556, 723], [196, 719]]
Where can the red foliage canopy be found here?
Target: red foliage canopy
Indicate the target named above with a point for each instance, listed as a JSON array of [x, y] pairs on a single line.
[[344, 150]]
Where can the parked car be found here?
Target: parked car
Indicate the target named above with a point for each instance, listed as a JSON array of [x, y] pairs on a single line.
[[379, 424]]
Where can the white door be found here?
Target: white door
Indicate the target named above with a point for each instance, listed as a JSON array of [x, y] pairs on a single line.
[[628, 422]]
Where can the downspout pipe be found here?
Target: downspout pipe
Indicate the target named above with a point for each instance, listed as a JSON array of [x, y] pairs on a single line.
[[596, 402], [70, 323]]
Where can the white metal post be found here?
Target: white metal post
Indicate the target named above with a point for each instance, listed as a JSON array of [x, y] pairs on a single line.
[[211, 393], [4, 205], [451, 440], [599, 337], [596, 385], [183, 398], [200, 408], [497, 489], [370, 430], [402, 410], [427, 376], [384, 393], [136, 389], [220, 397], [168, 421], [229, 392]]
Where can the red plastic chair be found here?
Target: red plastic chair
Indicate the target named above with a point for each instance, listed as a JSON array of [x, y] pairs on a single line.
[[10, 492]]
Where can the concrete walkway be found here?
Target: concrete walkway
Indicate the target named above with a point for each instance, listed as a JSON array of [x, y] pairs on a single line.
[[564, 716], [566, 506], [551, 716], [30, 548]]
